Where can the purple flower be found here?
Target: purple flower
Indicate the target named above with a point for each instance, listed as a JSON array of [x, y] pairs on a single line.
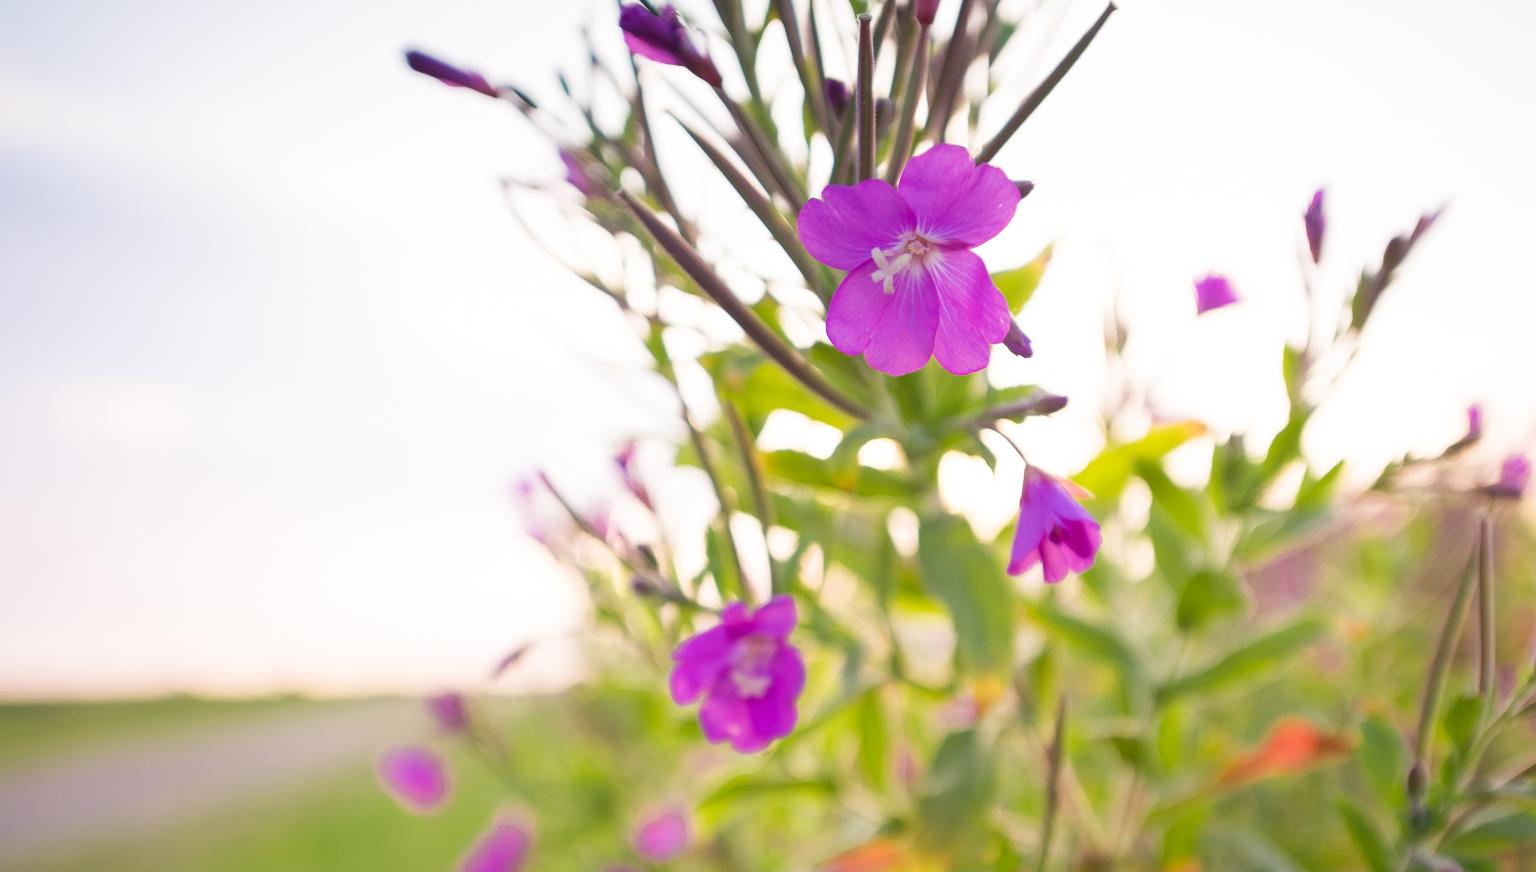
[[1213, 292], [1474, 423], [1054, 530], [1315, 223], [747, 672], [449, 74], [502, 848], [415, 777], [663, 39], [449, 711], [662, 837], [838, 97], [625, 460], [576, 174], [914, 288], [1514, 475]]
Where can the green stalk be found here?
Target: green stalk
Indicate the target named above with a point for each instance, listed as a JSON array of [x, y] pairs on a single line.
[[1052, 786], [753, 463], [1487, 684], [1435, 680], [901, 146], [866, 98]]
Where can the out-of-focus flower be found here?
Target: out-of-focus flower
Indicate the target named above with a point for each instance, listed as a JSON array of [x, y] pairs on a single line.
[[1293, 745], [1213, 292], [914, 288], [576, 174], [662, 837], [1474, 423], [449, 711], [662, 38], [925, 10], [1315, 224], [747, 672], [502, 848], [1514, 475], [449, 74], [523, 494], [1054, 530], [1017, 342], [625, 460], [415, 776], [838, 96]]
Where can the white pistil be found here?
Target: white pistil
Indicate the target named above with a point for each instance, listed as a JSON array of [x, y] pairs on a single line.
[[887, 268]]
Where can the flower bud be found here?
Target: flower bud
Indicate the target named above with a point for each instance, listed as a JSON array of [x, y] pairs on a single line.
[[925, 10], [662, 38], [1315, 224], [838, 98], [1213, 292], [1017, 342], [449, 74], [449, 712], [1025, 187], [1514, 475]]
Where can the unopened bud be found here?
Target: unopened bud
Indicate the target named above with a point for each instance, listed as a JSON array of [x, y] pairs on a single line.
[[1024, 186], [643, 586], [836, 92], [1418, 779], [925, 10], [1017, 342]]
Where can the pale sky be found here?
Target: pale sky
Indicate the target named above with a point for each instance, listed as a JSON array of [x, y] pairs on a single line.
[[271, 349]]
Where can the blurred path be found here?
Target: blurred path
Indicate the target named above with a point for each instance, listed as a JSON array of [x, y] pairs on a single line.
[[145, 784]]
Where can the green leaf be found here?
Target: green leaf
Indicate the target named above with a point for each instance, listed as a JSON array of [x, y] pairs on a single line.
[[806, 469], [967, 578], [874, 740], [1285, 448], [1018, 285], [1208, 595], [1461, 720], [1246, 661], [1100, 643], [1181, 505], [1106, 475], [1233, 847], [1384, 756], [1316, 494], [721, 564], [955, 795], [750, 787], [1367, 836], [1496, 835]]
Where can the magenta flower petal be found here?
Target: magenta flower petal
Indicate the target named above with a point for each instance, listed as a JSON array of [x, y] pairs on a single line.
[[415, 776], [1315, 224], [1054, 530], [748, 674], [663, 39], [1514, 475], [449, 74], [847, 222], [956, 201], [1213, 292], [855, 310], [973, 315], [576, 174], [662, 837], [449, 711], [502, 848], [903, 339]]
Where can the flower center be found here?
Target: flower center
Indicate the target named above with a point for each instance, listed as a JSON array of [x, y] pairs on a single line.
[[749, 665], [890, 262]]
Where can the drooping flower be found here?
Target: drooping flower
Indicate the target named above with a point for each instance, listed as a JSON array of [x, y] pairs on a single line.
[[662, 837], [1213, 292], [414, 776], [449, 711], [1054, 530], [1514, 475], [625, 460], [449, 74], [747, 672], [576, 174], [1315, 224], [502, 848], [662, 38], [914, 288]]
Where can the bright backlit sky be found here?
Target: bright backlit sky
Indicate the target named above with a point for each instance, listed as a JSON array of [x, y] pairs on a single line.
[[271, 349]]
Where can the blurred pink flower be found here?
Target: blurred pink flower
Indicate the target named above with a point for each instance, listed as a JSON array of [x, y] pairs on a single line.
[[502, 848], [914, 288], [415, 776], [1514, 475], [925, 10], [1315, 224], [662, 38], [662, 837], [747, 672], [449, 711], [449, 74], [576, 174], [1054, 530], [1474, 423], [1213, 292]]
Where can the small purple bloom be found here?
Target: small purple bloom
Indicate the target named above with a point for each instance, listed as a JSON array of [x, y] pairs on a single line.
[[662, 837], [415, 776], [502, 848], [925, 10], [1017, 342], [625, 460], [1315, 223], [663, 39], [1514, 475], [747, 672], [1054, 530], [914, 288], [576, 174], [1213, 292], [838, 97], [1474, 423], [449, 74], [449, 711]]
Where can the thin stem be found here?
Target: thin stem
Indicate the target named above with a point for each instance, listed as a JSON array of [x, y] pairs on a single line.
[[707, 463], [901, 146], [1438, 668], [957, 56], [711, 283], [1052, 785], [772, 158], [808, 78], [753, 464], [1487, 684], [654, 178], [866, 97], [1043, 90]]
